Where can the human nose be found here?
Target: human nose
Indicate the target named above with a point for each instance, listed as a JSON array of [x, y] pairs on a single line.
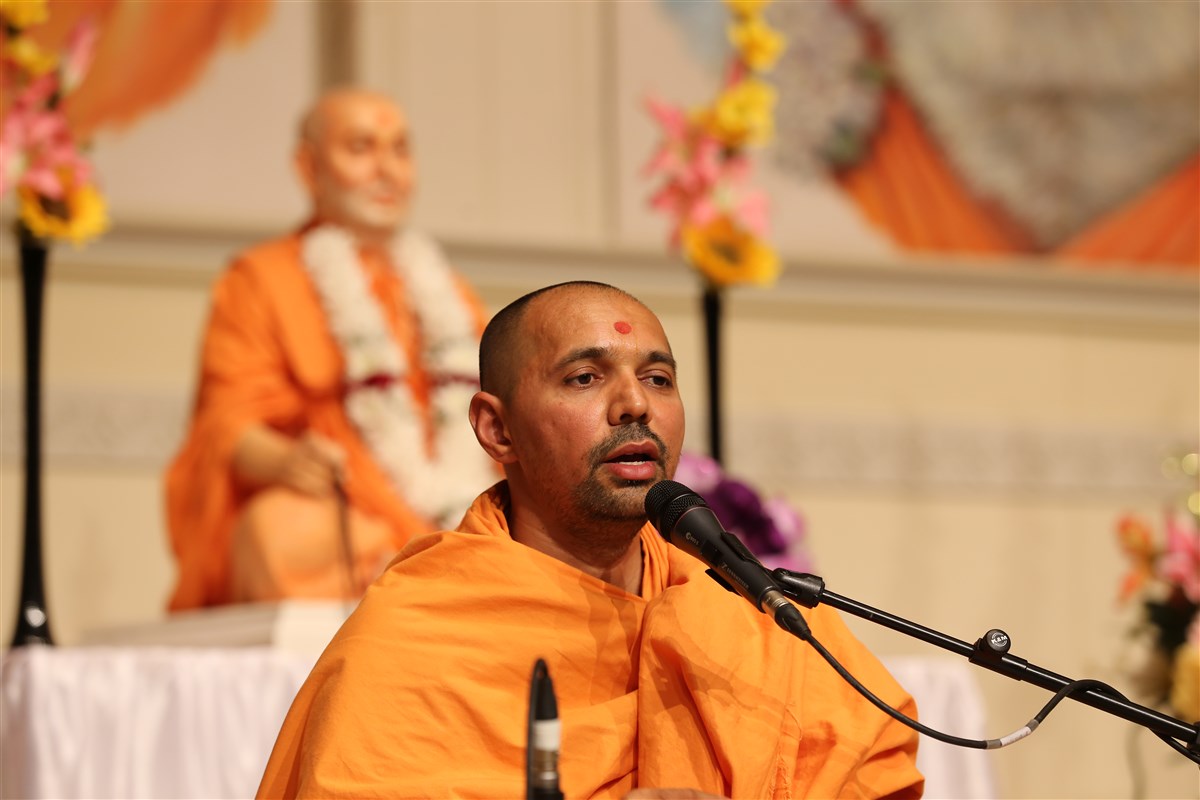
[[395, 166], [629, 403]]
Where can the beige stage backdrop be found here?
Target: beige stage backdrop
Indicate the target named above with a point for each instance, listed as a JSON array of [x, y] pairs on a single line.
[[960, 435]]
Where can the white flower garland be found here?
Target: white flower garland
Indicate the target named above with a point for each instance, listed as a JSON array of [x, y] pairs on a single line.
[[378, 399]]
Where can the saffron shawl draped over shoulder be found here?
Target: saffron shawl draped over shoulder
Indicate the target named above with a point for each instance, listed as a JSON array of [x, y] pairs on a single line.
[[424, 690], [268, 357]]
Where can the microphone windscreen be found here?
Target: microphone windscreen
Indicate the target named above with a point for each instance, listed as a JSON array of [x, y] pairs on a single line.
[[665, 503], [547, 704]]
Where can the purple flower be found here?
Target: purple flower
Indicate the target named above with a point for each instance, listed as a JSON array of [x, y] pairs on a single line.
[[772, 530]]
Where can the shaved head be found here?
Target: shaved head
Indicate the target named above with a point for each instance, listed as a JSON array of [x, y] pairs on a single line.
[[500, 349], [314, 125]]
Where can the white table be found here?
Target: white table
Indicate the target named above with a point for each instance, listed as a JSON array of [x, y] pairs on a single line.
[[199, 722]]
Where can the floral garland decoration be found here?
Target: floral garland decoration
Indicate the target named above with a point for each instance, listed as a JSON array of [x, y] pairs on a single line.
[[39, 156], [439, 486], [718, 219], [1163, 587]]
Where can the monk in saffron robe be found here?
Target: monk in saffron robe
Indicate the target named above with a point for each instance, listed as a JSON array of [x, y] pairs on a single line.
[[664, 680], [337, 366]]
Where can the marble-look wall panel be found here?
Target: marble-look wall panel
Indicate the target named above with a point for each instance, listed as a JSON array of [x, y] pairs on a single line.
[[508, 114], [219, 156]]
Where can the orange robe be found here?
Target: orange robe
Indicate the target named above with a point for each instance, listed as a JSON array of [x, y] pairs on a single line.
[[424, 690], [268, 357]]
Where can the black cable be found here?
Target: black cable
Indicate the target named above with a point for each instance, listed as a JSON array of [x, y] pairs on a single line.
[[1192, 756], [982, 744], [978, 744]]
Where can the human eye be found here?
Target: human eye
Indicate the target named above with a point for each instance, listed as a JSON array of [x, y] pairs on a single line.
[[358, 145], [660, 380], [582, 379]]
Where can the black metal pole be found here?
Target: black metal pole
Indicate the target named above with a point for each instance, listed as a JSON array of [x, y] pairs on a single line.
[[33, 624], [712, 338]]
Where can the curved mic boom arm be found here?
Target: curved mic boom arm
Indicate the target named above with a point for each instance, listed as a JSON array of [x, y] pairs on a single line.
[[991, 652]]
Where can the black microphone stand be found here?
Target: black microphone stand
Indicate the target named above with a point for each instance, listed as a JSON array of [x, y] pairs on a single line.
[[991, 652]]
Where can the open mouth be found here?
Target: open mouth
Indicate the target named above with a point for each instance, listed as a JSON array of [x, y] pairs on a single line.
[[636, 462], [634, 454], [635, 458]]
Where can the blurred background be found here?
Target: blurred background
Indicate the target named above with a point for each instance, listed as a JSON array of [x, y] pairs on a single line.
[[981, 354]]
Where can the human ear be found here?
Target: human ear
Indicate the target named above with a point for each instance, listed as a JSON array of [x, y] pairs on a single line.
[[487, 419], [304, 160]]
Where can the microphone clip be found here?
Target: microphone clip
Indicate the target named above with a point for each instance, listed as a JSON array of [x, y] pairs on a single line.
[[712, 573]]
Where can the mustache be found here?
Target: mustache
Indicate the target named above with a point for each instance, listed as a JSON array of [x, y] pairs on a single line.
[[633, 432]]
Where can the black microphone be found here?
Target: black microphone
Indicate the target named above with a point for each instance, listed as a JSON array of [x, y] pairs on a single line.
[[544, 735], [685, 520]]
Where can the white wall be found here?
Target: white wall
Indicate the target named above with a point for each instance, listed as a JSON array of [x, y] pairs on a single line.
[[959, 436]]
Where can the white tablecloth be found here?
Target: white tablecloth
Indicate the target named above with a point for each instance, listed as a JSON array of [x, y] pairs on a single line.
[[182, 722], [147, 722]]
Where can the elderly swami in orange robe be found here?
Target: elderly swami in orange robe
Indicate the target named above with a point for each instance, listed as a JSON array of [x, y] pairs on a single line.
[[664, 679], [336, 370]]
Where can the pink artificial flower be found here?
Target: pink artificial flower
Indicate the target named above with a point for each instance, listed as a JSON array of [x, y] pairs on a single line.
[[36, 146], [52, 152], [688, 155], [691, 162], [37, 93], [81, 46], [684, 207], [673, 121], [1180, 561], [752, 212], [736, 72], [12, 157], [702, 180]]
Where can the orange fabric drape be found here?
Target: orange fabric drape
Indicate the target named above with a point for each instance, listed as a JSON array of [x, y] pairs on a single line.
[[906, 187], [148, 52], [1161, 227]]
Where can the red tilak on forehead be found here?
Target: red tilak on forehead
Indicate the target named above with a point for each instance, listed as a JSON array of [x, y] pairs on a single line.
[[622, 326]]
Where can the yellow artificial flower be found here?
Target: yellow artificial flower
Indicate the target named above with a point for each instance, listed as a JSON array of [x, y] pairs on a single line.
[[726, 254], [747, 8], [1185, 682], [82, 215], [758, 45], [743, 114], [29, 57], [21, 14]]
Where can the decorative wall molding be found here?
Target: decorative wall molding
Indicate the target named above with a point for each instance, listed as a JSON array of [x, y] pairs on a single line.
[[997, 293], [119, 430], [927, 455], [98, 429]]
